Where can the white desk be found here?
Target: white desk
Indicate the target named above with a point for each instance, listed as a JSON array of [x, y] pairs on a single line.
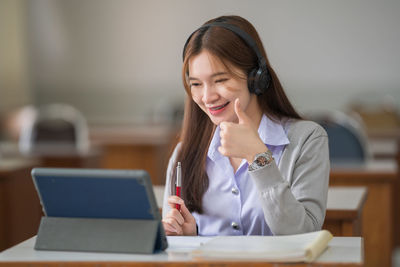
[[384, 148], [343, 251], [344, 210], [386, 167], [346, 197]]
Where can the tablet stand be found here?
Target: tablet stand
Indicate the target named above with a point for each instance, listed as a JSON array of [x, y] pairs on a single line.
[[100, 235]]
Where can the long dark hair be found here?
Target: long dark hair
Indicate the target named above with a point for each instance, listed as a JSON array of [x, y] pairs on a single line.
[[197, 129]]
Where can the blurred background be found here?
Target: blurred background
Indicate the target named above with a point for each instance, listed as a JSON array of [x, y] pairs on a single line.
[[97, 83], [119, 62]]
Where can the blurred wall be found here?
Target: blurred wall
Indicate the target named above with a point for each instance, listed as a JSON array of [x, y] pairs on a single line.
[[120, 61], [14, 73]]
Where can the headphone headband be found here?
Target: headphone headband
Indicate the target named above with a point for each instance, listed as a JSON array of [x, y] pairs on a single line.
[[238, 31]]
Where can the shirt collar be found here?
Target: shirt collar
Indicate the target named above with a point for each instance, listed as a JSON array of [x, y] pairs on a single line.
[[213, 152], [271, 133]]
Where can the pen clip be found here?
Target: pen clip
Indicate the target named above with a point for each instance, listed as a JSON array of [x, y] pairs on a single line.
[[178, 181]]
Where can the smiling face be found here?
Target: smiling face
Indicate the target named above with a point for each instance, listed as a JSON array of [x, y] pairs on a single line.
[[214, 89]]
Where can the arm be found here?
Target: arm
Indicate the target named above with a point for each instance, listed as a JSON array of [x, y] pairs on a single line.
[[296, 204], [293, 196]]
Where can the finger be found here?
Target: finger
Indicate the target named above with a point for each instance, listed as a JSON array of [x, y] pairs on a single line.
[[222, 134], [222, 126], [172, 225], [176, 215], [187, 216], [168, 228], [223, 141], [222, 150], [242, 116], [168, 233], [173, 200], [173, 232]]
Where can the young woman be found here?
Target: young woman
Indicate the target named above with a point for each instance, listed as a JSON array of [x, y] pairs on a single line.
[[250, 164]]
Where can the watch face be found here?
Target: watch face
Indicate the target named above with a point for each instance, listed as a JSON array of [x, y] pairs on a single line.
[[261, 161]]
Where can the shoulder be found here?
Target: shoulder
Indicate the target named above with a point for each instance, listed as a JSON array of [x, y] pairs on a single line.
[[298, 130]]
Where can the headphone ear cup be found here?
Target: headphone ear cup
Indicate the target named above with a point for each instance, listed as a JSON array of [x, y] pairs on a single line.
[[251, 79], [258, 80], [263, 80]]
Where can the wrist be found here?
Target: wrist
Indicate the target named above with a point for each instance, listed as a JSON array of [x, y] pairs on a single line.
[[261, 149]]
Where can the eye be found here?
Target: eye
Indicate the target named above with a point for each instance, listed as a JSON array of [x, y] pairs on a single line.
[[195, 84], [221, 80]]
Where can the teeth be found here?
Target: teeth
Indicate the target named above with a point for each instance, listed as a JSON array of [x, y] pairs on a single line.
[[219, 107]]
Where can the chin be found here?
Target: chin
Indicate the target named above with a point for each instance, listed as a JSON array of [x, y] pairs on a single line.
[[215, 122]]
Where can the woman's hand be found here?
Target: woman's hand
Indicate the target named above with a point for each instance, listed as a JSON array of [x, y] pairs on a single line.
[[240, 140], [179, 223]]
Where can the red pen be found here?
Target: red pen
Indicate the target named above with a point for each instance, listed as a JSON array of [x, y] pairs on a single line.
[[178, 184]]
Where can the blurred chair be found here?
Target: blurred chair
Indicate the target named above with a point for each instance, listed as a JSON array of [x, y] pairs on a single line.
[[55, 129], [347, 136]]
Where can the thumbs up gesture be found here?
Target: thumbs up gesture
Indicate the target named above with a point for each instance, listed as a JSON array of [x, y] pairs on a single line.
[[240, 140]]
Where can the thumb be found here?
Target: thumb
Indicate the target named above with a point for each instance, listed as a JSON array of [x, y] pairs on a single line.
[[242, 116]]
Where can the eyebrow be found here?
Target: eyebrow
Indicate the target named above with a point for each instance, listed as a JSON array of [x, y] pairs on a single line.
[[212, 75]]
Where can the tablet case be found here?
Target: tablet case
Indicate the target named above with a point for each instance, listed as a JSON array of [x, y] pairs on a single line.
[[98, 210]]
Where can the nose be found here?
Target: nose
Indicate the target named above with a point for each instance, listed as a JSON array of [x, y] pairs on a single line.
[[209, 94]]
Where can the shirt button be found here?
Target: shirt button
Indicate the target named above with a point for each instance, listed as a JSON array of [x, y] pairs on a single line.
[[235, 226], [235, 191]]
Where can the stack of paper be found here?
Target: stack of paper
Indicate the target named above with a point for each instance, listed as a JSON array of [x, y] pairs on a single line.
[[288, 248]]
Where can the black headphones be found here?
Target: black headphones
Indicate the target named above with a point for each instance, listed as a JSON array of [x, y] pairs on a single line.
[[259, 78]]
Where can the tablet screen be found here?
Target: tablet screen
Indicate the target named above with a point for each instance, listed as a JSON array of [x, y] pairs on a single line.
[[96, 193]]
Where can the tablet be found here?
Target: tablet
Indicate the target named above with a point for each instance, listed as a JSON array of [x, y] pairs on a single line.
[[96, 193]]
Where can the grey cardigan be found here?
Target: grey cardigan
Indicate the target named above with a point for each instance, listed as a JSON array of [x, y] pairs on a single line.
[[293, 193]]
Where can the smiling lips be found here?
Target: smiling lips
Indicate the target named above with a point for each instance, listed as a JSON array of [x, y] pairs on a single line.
[[218, 109]]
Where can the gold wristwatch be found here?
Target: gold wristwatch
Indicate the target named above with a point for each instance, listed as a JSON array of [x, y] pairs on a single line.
[[261, 160]]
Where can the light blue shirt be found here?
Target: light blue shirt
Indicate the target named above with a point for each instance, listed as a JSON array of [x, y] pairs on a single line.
[[231, 203]]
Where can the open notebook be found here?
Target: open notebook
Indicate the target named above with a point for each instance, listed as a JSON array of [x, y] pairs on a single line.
[[288, 248]]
